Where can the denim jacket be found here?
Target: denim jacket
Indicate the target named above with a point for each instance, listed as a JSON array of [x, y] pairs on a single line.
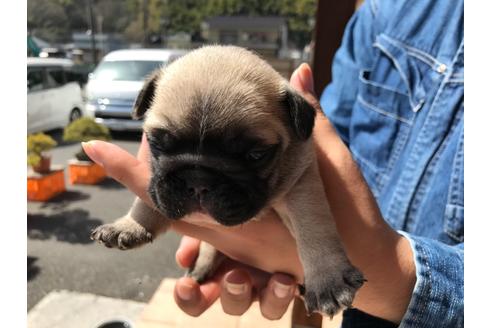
[[397, 101]]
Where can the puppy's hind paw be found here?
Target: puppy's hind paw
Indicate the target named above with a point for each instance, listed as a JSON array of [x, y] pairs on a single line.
[[330, 294]]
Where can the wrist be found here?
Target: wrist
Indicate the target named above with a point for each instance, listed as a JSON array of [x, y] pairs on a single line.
[[390, 273]]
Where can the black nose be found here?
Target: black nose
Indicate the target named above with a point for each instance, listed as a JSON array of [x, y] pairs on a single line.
[[197, 191], [198, 181]]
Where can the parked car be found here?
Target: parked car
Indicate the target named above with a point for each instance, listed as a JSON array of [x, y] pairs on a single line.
[[115, 83], [54, 94]]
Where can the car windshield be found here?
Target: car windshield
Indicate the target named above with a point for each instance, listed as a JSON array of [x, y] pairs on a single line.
[[128, 70]]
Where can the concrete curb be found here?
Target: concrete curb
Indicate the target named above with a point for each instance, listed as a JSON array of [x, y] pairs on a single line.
[[66, 309]]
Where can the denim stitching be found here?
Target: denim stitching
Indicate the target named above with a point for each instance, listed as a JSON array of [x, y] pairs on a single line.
[[396, 201], [458, 77], [378, 85], [374, 7], [421, 191], [452, 199], [415, 51], [364, 161], [457, 162], [422, 58], [417, 107], [398, 67], [414, 156], [427, 274], [382, 112], [398, 146], [451, 74], [448, 229], [412, 317]]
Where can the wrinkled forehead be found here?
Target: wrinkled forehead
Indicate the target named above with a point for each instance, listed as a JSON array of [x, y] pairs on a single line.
[[214, 114], [197, 125]]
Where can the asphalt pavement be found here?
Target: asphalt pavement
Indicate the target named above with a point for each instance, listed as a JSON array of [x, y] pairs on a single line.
[[60, 254]]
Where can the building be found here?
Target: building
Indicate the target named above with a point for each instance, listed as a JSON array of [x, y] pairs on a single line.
[[104, 43], [266, 35]]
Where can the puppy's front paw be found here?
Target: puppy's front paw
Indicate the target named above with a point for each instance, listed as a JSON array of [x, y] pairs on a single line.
[[330, 293], [123, 235]]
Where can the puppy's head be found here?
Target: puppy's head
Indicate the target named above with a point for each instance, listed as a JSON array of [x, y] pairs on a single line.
[[226, 134]]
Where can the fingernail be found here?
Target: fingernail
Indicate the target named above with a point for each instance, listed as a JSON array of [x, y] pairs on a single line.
[[306, 77], [91, 152], [185, 292], [177, 256], [281, 290], [235, 289]]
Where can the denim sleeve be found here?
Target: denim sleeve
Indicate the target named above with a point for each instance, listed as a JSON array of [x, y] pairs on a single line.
[[438, 296], [354, 54]]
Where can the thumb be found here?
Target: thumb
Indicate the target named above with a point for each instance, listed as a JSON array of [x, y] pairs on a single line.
[[121, 166], [302, 79], [187, 251]]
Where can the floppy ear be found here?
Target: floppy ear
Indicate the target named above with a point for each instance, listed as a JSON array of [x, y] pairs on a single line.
[[300, 114], [146, 95]]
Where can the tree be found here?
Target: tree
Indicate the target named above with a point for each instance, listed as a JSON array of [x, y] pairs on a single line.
[[187, 15], [300, 14], [54, 20], [47, 19]]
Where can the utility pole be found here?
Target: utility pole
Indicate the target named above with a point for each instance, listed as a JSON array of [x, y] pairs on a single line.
[[145, 4], [93, 28]]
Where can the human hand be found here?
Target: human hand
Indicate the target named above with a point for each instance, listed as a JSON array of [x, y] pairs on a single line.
[[379, 252], [236, 284]]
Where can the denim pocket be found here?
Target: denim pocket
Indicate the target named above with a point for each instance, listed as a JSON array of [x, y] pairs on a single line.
[[381, 119], [390, 94], [384, 98]]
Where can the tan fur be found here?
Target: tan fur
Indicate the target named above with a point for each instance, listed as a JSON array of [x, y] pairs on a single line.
[[243, 87], [244, 90]]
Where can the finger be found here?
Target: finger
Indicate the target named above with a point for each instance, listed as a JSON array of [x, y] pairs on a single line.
[[193, 298], [302, 81], [187, 251], [121, 166], [276, 297], [236, 292], [143, 154]]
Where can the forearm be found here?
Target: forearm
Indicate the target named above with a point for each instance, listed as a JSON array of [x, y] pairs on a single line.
[[378, 251]]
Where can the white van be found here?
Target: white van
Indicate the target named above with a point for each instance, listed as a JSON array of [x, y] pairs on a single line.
[[115, 83], [54, 94]]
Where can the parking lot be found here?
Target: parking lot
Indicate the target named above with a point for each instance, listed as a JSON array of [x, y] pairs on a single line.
[[60, 254]]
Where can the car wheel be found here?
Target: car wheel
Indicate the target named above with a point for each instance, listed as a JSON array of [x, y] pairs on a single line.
[[75, 115]]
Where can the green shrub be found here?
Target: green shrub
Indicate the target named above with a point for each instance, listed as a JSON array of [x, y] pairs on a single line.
[[85, 129], [36, 145]]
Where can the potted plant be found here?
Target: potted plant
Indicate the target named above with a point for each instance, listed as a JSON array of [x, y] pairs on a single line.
[[37, 147], [83, 170], [44, 181]]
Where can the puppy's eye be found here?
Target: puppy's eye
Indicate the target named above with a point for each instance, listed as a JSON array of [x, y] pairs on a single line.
[[258, 154], [160, 141]]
